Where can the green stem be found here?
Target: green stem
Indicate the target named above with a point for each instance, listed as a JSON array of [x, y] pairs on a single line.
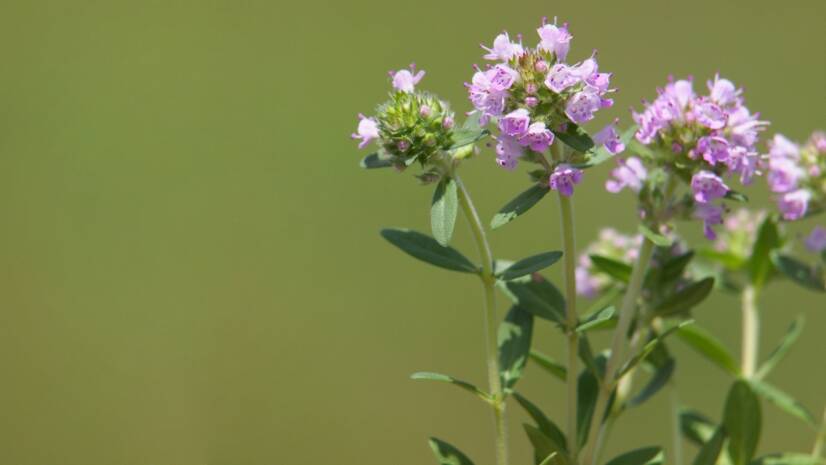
[[751, 330], [626, 315], [569, 255], [677, 440], [817, 450], [488, 282]]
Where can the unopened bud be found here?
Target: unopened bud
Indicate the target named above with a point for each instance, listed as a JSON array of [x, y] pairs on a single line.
[[447, 123], [541, 66]]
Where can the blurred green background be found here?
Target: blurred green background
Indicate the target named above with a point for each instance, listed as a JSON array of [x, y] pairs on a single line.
[[190, 270]]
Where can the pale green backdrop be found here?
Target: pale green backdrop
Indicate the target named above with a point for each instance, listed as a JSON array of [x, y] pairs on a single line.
[[190, 270]]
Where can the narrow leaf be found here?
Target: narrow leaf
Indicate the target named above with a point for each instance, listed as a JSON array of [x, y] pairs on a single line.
[[613, 268], [779, 353], [374, 161], [538, 296], [575, 137], [429, 376], [530, 265], [658, 239], [788, 458], [695, 426], [543, 447], [760, 265], [550, 365], [742, 420], [447, 454], [519, 205], [710, 451], [674, 268], [548, 427], [443, 210], [427, 249], [801, 273], [648, 348], [514, 342], [684, 299], [601, 319], [644, 456], [736, 196], [709, 347], [782, 400], [587, 391], [658, 380]]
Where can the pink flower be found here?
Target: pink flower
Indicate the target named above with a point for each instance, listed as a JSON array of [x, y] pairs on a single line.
[[709, 114], [515, 123], [555, 39], [784, 174], [609, 138], [816, 242], [503, 49], [508, 152], [564, 178], [723, 92], [405, 81], [367, 130], [538, 137], [707, 186], [629, 173], [793, 205], [561, 77], [582, 106], [711, 215]]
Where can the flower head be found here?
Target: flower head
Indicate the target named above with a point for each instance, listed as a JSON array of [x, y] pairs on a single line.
[[503, 49], [564, 178], [707, 187], [629, 173], [406, 80], [793, 205], [367, 131], [797, 174]]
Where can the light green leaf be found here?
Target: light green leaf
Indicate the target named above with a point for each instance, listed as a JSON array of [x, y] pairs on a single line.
[[601, 319], [729, 260], [443, 210], [447, 454], [695, 426], [429, 376], [801, 273], [543, 447], [514, 342], [743, 421], [600, 154], [760, 264], [538, 296], [644, 456], [684, 299], [779, 353], [427, 249], [530, 265], [709, 347], [613, 268], [548, 427], [658, 380], [575, 137], [658, 239], [550, 365], [374, 160], [782, 400], [788, 458], [467, 136], [710, 451], [519, 205]]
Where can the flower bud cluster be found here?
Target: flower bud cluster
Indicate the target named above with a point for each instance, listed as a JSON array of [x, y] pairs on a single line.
[[411, 126], [797, 175]]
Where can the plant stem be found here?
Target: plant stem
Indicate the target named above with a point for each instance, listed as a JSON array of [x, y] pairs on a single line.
[[817, 450], [626, 315], [677, 439], [488, 282], [751, 329], [569, 255]]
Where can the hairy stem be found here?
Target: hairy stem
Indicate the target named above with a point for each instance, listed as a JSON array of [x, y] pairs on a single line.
[[488, 282], [751, 330], [569, 256], [626, 315]]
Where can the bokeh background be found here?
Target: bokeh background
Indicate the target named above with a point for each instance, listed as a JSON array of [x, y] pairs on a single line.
[[190, 270]]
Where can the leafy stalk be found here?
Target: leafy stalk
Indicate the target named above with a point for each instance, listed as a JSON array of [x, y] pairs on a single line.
[[569, 255], [751, 329], [488, 282]]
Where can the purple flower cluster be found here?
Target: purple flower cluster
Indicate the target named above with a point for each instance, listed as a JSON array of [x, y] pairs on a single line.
[[611, 244], [533, 92], [797, 175], [703, 136], [739, 232]]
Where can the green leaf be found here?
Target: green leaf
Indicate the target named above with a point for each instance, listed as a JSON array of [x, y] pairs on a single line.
[[598, 320], [447, 454], [695, 426], [788, 458], [613, 268], [781, 350], [587, 391], [801, 273], [742, 420], [595, 365], [374, 160], [550, 365], [782, 400], [429, 376], [427, 249], [736, 196], [514, 342], [760, 265], [684, 299], [467, 136], [538, 296], [544, 446], [548, 459], [443, 210], [648, 348], [710, 451], [530, 265], [674, 268], [644, 456], [600, 154], [519, 205], [658, 239], [548, 427], [575, 137], [659, 379], [729, 260], [709, 347]]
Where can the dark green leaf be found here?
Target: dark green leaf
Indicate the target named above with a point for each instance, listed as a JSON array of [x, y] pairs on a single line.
[[684, 299], [519, 205], [658, 239], [674, 268], [428, 376], [596, 365], [550, 365], [781, 350], [709, 347], [467, 136], [374, 161], [658, 380], [530, 265], [695, 426], [613, 268], [514, 341], [447, 454], [710, 451], [543, 447], [587, 391], [649, 347], [782, 400], [575, 137], [788, 458], [538, 296], [427, 249], [600, 154], [736, 196], [601, 319], [544, 423], [801, 273], [742, 420], [644, 456], [760, 265], [443, 210]]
